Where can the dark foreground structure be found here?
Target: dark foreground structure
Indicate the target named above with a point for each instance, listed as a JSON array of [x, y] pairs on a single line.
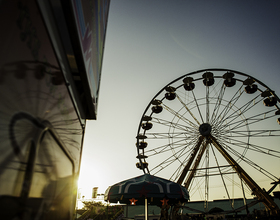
[[51, 58], [218, 209]]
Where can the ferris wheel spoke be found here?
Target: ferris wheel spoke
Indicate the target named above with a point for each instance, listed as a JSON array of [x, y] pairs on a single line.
[[240, 111], [244, 108], [210, 96], [230, 104], [177, 171], [182, 135], [207, 104], [249, 120], [252, 119], [251, 163], [184, 148], [159, 168], [251, 147], [179, 116], [189, 111], [217, 104], [180, 168], [167, 147], [155, 152], [198, 108], [250, 104], [169, 123], [252, 133], [168, 161]]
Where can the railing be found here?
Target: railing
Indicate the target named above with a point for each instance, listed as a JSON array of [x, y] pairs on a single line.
[[85, 215]]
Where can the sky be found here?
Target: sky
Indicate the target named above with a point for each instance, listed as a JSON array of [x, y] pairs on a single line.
[[151, 43]]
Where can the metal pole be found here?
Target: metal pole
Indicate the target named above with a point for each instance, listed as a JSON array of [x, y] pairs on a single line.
[[146, 209]]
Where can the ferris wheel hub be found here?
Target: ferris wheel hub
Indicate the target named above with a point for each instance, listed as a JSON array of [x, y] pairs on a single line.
[[205, 129]]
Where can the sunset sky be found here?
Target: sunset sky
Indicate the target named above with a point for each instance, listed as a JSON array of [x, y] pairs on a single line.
[[151, 43]]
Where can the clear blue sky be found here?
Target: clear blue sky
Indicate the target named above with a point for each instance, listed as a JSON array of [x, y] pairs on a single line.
[[149, 44]]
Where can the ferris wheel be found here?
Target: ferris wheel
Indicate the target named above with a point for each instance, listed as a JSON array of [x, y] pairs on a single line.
[[215, 131]]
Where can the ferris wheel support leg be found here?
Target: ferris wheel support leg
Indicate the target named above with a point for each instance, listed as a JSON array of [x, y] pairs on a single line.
[[187, 167], [261, 194], [195, 165]]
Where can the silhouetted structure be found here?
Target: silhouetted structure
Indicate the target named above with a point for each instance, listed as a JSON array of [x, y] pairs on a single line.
[[51, 58]]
